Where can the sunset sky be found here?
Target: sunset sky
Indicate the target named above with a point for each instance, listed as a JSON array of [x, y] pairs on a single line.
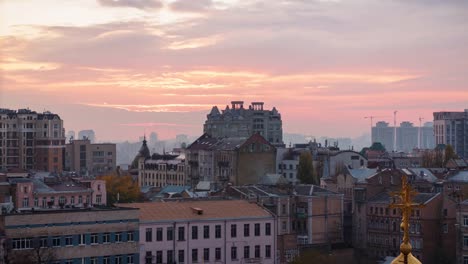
[[122, 67]]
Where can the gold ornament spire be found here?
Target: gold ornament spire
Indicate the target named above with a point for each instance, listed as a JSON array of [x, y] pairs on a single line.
[[406, 206]]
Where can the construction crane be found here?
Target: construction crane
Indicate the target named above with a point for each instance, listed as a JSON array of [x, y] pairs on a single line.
[[372, 119]]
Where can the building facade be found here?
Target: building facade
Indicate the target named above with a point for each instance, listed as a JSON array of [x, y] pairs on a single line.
[[451, 128], [216, 231], [306, 215], [238, 121], [229, 160], [31, 140], [89, 159], [72, 236], [408, 136], [35, 194], [162, 170]]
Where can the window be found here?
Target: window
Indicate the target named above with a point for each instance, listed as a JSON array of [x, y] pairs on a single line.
[[159, 257], [206, 231], [445, 212], [465, 259], [267, 251], [194, 255], [445, 228], [130, 237], [80, 199], [181, 233], [22, 243], [283, 209], [106, 238], [246, 252], [218, 231], [81, 239], [233, 253], [159, 234], [170, 234], [118, 260], [268, 229], [94, 238], [118, 237], [62, 200], [217, 254], [98, 199], [148, 257], [149, 234], [233, 230], [465, 241], [283, 226], [56, 241], [257, 230], [68, 261], [93, 260], [246, 230], [106, 260], [130, 259], [36, 202], [68, 241], [181, 256], [257, 251], [43, 242], [206, 254], [25, 202], [72, 200], [170, 257], [465, 220], [194, 232]]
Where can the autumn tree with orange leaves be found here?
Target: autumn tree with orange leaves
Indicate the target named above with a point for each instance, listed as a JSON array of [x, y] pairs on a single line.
[[121, 189]]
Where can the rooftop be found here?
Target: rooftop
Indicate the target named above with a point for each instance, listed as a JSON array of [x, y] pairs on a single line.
[[461, 176], [362, 174], [187, 210], [420, 198]]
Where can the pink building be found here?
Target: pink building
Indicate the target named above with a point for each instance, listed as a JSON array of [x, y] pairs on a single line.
[[33, 193], [210, 231]]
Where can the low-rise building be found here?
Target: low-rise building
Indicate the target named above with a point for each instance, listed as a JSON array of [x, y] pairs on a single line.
[[71, 236], [210, 231], [31, 193]]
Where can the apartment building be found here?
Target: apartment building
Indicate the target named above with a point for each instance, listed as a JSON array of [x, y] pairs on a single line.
[[205, 231], [451, 128], [71, 236], [29, 193], [31, 140], [229, 160], [238, 121], [89, 159], [306, 215], [162, 170], [408, 136]]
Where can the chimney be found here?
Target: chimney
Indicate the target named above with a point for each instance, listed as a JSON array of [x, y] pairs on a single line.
[[197, 210]]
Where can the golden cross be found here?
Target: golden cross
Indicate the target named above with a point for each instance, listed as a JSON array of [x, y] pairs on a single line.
[[406, 194]]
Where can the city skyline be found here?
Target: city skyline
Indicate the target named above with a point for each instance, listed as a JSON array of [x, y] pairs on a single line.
[[125, 67]]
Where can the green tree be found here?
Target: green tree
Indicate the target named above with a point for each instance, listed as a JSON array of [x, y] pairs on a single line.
[[305, 171], [449, 154]]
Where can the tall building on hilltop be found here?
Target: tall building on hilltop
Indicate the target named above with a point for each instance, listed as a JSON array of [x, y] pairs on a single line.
[[31, 140], [408, 136], [238, 121], [451, 128]]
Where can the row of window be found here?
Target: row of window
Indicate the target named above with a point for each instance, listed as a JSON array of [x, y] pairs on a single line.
[[206, 232], [118, 259], [62, 200], [206, 257], [72, 240]]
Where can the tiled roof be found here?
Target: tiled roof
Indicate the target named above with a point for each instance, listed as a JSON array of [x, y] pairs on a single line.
[[184, 210]]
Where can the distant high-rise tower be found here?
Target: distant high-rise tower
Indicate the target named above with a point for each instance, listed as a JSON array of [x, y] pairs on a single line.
[[451, 128], [407, 136], [238, 121]]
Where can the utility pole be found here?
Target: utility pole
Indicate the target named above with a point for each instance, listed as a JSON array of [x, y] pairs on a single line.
[[394, 130], [420, 132]]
